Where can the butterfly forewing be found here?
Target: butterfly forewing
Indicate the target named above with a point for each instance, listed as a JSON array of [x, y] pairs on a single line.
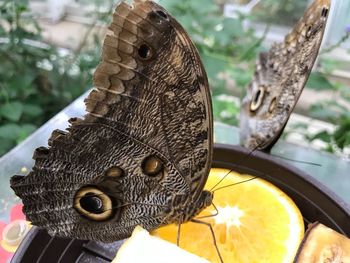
[[279, 79], [145, 142]]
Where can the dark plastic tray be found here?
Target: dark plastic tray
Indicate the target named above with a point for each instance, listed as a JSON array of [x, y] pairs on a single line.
[[40, 247], [315, 202]]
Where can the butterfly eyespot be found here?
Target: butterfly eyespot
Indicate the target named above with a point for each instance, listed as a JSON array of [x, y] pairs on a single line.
[[152, 166], [93, 204], [162, 14], [157, 16], [144, 52], [308, 32], [115, 172], [324, 12], [272, 105], [257, 99]]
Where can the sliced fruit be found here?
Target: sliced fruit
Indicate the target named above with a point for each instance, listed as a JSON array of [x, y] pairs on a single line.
[[323, 245], [142, 247], [13, 234], [256, 222]]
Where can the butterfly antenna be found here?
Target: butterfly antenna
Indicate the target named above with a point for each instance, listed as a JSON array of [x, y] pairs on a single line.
[[241, 182], [296, 161], [212, 233], [223, 178]]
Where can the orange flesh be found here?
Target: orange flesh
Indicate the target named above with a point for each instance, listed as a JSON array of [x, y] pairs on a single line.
[[257, 222]]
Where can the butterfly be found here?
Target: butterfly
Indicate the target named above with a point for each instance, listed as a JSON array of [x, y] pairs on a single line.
[[279, 78], [142, 153]]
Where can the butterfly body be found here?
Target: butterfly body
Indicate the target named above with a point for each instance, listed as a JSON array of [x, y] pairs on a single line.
[[142, 153], [279, 79]]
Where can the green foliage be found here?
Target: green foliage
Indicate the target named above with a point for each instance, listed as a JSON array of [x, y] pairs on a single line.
[[222, 42], [226, 109], [332, 111], [337, 140], [319, 81], [36, 80], [285, 12]]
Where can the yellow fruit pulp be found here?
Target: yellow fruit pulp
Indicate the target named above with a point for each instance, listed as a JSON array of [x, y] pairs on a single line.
[[256, 222]]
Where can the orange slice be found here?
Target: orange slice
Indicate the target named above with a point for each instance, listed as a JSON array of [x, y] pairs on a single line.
[[256, 222]]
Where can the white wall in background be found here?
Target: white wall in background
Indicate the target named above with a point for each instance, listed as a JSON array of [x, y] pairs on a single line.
[[57, 9], [339, 20]]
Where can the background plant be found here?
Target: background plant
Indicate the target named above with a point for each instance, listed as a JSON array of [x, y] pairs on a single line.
[[334, 110], [37, 80], [285, 12]]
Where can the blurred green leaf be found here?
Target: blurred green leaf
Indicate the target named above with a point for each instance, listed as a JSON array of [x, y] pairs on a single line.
[[214, 64], [36, 81], [6, 145], [233, 27], [203, 7], [328, 110], [25, 131], [342, 134], [322, 113], [241, 76], [323, 136], [21, 83], [225, 109], [285, 12], [12, 110], [329, 65], [32, 110], [10, 131], [318, 81]]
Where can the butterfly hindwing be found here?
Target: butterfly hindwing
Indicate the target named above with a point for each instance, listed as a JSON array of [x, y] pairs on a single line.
[[279, 79], [145, 142]]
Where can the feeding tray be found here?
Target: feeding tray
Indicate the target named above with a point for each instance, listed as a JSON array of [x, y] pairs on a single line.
[[315, 202]]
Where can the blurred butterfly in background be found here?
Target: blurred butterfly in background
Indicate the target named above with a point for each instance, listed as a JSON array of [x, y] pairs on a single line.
[[279, 79], [142, 153]]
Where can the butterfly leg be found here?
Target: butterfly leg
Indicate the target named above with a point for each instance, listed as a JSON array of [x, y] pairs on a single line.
[[213, 234], [212, 215], [178, 235]]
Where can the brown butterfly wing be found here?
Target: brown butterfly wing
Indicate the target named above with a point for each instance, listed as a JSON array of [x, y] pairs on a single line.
[[279, 79], [145, 143]]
